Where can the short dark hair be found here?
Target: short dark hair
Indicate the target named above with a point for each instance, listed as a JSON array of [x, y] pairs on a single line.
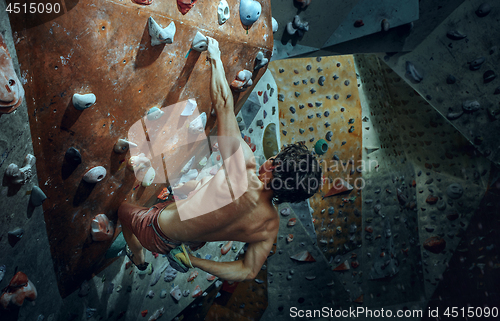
[[296, 170]]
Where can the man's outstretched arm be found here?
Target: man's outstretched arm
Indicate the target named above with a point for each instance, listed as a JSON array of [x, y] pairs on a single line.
[[240, 270], [222, 99]]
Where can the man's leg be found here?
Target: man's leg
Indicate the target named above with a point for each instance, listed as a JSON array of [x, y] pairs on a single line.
[[134, 246]]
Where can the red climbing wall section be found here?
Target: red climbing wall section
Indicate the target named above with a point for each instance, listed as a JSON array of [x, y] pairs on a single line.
[[104, 47]]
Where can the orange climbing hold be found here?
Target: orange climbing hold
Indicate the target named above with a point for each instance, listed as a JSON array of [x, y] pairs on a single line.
[[163, 194], [226, 248]]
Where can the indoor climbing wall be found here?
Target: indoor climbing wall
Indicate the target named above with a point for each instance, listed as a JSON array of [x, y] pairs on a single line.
[[319, 104], [105, 48], [419, 198], [454, 69]]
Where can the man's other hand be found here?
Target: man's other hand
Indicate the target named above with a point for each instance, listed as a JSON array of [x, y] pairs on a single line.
[[213, 48]]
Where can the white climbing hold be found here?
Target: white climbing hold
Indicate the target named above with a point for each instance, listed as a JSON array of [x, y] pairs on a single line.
[[188, 165], [122, 145], [197, 126], [290, 29], [199, 42], [275, 24], [189, 108], [260, 60], [176, 293], [149, 177], [95, 174], [161, 35], [154, 113], [243, 80], [82, 102], [21, 175], [223, 12], [249, 11]]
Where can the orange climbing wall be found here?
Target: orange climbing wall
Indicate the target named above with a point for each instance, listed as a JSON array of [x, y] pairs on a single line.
[[104, 47], [299, 87]]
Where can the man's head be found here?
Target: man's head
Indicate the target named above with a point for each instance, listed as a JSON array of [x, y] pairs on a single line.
[[293, 174]]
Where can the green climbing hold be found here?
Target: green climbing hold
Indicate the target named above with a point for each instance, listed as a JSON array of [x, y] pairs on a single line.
[[321, 147]]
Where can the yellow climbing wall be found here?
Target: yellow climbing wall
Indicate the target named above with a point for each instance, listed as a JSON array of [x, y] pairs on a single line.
[[318, 99]]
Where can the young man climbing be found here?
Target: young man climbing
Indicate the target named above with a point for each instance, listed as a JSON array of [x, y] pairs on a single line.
[[246, 213]]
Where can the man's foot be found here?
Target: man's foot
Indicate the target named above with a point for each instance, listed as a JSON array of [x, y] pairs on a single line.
[[179, 259]]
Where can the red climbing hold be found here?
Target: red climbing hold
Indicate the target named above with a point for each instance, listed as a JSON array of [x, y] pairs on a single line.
[[144, 313]]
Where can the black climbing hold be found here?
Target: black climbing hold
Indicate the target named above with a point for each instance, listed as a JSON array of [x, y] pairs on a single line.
[[488, 76], [319, 69], [318, 115], [483, 10], [335, 157], [327, 124], [310, 104], [292, 120], [301, 106], [476, 63], [310, 116], [260, 122], [311, 140], [455, 35], [281, 97], [301, 130], [296, 71], [321, 80], [327, 113], [342, 109], [450, 80], [296, 83], [15, 236], [318, 59], [348, 96], [318, 104], [329, 136], [250, 130], [297, 94], [338, 64], [304, 81], [37, 196], [312, 90], [73, 156], [344, 142], [311, 129], [284, 132], [336, 96], [351, 121], [351, 129], [312, 80], [328, 97], [347, 82], [308, 67], [281, 70], [335, 77]]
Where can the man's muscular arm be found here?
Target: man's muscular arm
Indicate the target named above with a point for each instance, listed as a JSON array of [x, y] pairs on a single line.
[[241, 270]]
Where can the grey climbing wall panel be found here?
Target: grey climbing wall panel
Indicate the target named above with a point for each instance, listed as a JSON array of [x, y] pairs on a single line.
[[455, 48]]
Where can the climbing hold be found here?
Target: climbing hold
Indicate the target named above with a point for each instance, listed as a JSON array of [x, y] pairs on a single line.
[[476, 63], [290, 29], [185, 5], [170, 274], [21, 176], [292, 109], [301, 130], [342, 267], [82, 102], [101, 228], [454, 191], [249, 11], [488, 76], [223, 12], [197, 126], [37, 196], [327, 124], [138, 163], [260, 61], [158, 313], [321, 147], [450, 80], [19, 289], [339, 186], [3, 269], [435, 244], [243, 80], [297, 94], [483, 10], [431, 199], [192, 276], [454, 115], [122, 145], [144, 2], [274, 24], [285, 211], [176, 293], [304, 256], [161, 35], [303, 3], [336, 96], [150, 294], [289, 238], [12, 93], [385, 25], [347, 82], [321, 80], [226, 248], [318, 104], [297, 23], [412, 72], [199, 42], [15, 236], [455, 35], [470, 106], [95, 174], [148, 177], [154, 113], [291, 222], [197, 292]]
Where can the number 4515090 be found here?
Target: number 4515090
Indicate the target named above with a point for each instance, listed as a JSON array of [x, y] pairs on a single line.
[[33, 8]]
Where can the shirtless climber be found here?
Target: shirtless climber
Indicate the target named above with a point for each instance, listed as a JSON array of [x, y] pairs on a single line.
[[248, 215]]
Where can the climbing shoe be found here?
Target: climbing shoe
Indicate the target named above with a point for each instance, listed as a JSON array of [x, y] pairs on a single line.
[[145, 268], [179, 259]]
